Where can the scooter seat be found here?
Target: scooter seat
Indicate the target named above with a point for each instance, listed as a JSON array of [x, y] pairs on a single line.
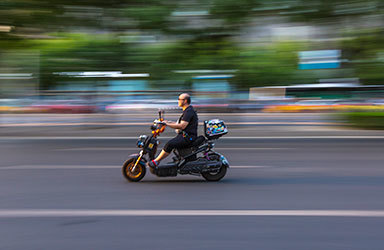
[[199, 140]]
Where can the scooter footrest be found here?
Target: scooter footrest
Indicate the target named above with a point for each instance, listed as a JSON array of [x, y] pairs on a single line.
[[165, 170]]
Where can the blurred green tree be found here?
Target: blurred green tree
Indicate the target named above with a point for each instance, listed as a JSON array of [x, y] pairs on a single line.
[[198, 35], [269, 65], [365, 52]]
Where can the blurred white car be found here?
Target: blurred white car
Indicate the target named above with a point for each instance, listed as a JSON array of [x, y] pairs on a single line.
[[134, 105]]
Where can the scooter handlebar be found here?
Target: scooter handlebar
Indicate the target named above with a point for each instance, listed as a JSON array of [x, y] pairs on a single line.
[[157, 121]]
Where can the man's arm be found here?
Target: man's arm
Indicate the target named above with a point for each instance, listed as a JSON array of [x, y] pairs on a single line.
[[182, 125]]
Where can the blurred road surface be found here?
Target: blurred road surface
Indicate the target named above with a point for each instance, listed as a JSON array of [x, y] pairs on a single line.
[[298, 194]]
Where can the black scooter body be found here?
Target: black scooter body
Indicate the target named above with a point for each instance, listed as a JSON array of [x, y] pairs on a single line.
[[186, 161]]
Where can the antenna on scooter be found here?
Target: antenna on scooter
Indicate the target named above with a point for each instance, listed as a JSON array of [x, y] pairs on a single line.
[[161, 114]]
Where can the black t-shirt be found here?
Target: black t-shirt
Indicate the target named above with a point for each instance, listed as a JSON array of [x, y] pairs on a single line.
[[189, 115]]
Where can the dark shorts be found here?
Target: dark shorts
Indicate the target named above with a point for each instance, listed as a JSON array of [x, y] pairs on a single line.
[[178, 142]]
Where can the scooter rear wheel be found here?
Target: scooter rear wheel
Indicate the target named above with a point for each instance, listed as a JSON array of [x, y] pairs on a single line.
[[133, 175], [215, 176]]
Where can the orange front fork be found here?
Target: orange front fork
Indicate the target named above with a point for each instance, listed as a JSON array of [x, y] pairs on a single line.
[[137, 161]]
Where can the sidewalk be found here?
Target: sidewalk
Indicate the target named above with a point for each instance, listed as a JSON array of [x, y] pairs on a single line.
[[248, 125]]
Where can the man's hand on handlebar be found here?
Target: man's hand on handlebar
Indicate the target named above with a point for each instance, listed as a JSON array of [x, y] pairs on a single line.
[[160, 122], [165, 122]]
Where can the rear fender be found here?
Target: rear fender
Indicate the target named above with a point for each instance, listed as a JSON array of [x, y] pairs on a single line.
[[223, 160]]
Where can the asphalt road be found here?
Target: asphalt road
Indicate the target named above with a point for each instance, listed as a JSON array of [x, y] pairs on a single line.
[[278, 194]]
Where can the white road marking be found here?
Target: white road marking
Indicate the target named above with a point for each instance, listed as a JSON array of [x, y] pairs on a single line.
[[169, 137], [309, 137], [37, 167], [95, 149], [250, 166], [60, 124], [125, 149], [16, 213], [251, 148]]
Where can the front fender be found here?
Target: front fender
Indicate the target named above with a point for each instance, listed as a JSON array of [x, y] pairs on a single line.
[[142, 160]]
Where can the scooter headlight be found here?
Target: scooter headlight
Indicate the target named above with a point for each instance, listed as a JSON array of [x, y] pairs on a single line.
[[141, 141]]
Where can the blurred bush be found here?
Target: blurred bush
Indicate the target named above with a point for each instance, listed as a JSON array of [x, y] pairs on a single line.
[[366, 120]]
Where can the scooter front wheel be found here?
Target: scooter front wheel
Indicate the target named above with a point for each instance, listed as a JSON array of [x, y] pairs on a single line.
[[132, 173]]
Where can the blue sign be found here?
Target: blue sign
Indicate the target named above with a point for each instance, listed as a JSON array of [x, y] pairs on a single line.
[[319, 59]]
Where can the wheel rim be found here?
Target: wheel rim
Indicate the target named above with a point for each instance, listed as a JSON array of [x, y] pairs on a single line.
[[213, 173], [137, 172]]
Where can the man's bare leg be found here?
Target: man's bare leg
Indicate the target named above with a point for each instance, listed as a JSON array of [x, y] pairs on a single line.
[[161, 156]]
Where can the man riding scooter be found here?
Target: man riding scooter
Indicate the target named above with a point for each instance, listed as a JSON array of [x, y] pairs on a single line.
[[186, 128], [194, 155]]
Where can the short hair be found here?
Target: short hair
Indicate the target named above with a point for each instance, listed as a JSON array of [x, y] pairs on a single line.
[[188, 98]]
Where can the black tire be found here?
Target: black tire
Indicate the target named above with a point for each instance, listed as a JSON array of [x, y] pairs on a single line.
[[139, 171], [217, 175]]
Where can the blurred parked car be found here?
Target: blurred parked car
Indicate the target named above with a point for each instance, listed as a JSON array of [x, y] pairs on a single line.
[[64, 106], [16, 105], [256, 105], [212, 105], [201, 105], [144, 105], [302, 106], [6, 105]]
